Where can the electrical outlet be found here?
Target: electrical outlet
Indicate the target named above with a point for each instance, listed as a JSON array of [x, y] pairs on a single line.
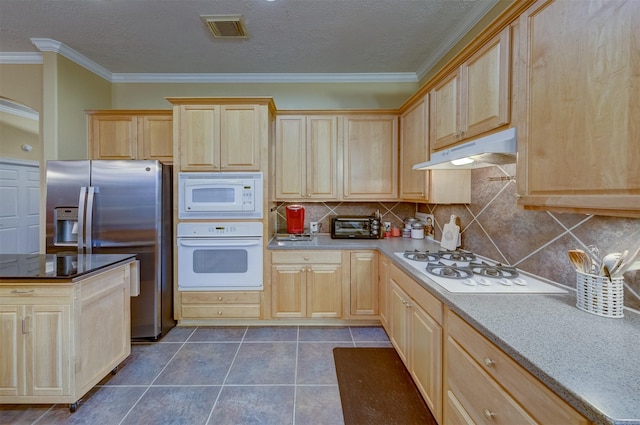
[[313, 227]]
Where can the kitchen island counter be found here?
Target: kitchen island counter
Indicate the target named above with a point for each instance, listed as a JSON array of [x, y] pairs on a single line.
[[54, 268], [66, 324], [591, 362]]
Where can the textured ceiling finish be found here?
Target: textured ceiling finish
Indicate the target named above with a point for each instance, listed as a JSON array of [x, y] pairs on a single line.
[[285, 36]]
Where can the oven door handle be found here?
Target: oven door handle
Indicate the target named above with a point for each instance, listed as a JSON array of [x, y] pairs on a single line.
[[218, 243]]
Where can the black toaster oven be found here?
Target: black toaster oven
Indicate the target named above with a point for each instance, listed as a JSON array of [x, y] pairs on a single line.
[[355, 227]]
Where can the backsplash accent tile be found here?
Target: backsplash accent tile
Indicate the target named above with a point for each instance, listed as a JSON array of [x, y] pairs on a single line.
[[395, 212], [535, 241]]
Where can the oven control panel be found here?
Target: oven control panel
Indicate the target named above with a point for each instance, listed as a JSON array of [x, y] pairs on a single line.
[[219, 229]]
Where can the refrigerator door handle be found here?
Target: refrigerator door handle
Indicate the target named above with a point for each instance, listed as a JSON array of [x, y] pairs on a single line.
[[81, 212], [89, 232]]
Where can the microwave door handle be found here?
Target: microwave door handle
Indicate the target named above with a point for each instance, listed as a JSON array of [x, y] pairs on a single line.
[[217, 243]]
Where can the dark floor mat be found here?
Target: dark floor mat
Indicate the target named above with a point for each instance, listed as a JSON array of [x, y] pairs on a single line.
[[376, 388]]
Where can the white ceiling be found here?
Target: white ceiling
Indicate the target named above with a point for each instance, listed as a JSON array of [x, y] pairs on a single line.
[[134, 40]]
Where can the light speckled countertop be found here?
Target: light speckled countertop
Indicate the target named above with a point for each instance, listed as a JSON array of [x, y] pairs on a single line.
[[591, 362]]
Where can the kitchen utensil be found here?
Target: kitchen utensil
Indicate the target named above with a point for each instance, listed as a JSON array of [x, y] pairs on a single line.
[[619, 261], [450, 234], [594, 253], [295, 219], [608, 262], [580, 260], [626, 264]]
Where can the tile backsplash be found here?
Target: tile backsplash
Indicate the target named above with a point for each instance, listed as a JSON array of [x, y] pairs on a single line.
[[492, 226]]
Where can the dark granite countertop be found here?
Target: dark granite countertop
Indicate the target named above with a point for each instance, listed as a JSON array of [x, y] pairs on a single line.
[[592, 362], [35, 267]]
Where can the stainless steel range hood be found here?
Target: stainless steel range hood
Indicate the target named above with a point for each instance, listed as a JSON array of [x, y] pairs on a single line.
[[495, 149]]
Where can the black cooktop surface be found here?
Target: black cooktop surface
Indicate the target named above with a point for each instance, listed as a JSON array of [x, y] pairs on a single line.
[[54, 266]]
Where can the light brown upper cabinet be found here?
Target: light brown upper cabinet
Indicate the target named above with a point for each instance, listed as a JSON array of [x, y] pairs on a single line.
[[221, 136], [128, 134], [370, 152], [437, 186], [306, 157], [474, 98], [576, 91]]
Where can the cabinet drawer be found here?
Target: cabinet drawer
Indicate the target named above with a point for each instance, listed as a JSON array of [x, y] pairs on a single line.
[[303, 257], [220, 297], [479, 395], [203, 311], [26, 292], [540, 401]]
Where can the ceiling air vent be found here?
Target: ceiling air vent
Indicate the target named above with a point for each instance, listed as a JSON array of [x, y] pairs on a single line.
[[225, 26]]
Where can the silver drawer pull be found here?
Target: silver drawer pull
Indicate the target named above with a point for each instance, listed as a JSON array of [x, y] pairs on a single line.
[[488, 362], [488, 414], [23, 291]]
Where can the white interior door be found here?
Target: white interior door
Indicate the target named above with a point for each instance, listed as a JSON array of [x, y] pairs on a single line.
[[19, 207]]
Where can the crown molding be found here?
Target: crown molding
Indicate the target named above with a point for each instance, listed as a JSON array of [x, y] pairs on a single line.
[[399, 77], [17, 109], [49, 45], [19, 58], [465, 26]]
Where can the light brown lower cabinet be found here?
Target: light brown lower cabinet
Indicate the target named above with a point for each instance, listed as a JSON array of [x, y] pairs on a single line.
[[363, 283], [485, 386], [306, 284], [58, 340], [415, 331]]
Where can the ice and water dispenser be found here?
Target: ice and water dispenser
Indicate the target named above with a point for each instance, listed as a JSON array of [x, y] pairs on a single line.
[[66, 226]]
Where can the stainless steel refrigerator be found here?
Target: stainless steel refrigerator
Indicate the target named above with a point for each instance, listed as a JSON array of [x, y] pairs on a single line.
[[96, 207]]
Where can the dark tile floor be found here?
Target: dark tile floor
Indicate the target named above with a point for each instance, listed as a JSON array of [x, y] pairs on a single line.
[[218, 375]]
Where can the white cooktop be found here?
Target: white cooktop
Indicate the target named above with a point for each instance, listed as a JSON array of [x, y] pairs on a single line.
[[523, 284]]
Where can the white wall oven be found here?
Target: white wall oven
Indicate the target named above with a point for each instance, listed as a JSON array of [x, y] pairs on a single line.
[[220, 256], [209, 195]]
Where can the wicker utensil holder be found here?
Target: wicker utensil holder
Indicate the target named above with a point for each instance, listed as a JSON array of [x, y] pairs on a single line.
[[600, 295]]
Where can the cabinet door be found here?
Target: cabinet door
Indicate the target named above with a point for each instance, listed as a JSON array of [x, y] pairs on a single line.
[[288, 290], [199, 129], [47, 350], [113, 136], [577, 91], [486, 82], [12, 350], [370, 168], [445, 112], [240, 138], [425, 357], [364, 284], [322, 157], [399, 320], [414, 148], [291, 158], [155, 137], [324, 290]]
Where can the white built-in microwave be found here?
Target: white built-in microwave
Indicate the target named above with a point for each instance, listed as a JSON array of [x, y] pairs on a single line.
[[204, 195]]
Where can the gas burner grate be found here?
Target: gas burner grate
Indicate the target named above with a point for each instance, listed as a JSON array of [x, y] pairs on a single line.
[[494, 270], [458, 256], [452, 271], [424, 256]]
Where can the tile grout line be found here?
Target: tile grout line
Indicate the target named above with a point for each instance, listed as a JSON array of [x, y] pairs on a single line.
[[224, 381], [295, 376], [154, 379]]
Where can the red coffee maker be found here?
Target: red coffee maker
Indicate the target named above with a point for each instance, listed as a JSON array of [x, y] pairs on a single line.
[[295, 219]]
